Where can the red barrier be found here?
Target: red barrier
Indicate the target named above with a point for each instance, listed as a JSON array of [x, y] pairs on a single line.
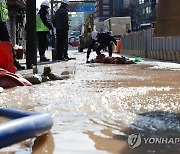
[[6, 57], [118, 48], [10, 80]]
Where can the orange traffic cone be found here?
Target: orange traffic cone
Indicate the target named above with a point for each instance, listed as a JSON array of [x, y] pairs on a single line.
[[118, 48]]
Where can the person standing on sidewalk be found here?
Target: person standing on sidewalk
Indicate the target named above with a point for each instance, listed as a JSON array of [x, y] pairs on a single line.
[[61, 22], [43, 25], [4, 34]]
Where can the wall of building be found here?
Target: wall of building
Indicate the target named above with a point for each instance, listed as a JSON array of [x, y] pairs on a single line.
[[118, 6], [104, 9]]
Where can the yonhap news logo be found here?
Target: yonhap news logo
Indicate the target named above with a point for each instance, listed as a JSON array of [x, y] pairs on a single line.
[[135, 140]]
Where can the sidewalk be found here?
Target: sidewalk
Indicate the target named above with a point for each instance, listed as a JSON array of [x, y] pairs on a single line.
[[57, 67]]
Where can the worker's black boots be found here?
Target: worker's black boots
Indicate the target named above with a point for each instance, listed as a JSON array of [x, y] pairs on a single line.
[[18, 66], [44, 59]]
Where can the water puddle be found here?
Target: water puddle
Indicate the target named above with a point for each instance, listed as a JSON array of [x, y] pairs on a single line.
[[99, 106]]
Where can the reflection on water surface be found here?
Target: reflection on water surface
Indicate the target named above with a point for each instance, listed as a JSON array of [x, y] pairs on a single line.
[[95, 110]]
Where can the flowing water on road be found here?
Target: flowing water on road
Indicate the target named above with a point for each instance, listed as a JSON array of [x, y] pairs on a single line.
[[96, 109]]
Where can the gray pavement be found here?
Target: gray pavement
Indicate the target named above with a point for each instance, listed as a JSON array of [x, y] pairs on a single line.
[[55, 65]]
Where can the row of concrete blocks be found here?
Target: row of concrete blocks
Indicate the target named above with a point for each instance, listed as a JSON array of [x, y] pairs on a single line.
[[160, 55]]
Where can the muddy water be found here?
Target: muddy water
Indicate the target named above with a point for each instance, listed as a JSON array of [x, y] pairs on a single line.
[[97, 109]]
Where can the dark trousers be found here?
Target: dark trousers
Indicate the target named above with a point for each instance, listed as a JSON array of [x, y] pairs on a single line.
[[100, 47], [42, 42], [66, 50], [4, 36], [61, 43]]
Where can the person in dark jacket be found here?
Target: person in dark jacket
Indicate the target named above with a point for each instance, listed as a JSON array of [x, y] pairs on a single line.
[[61, 22], [4, 34], [43, 25], [104, 40]]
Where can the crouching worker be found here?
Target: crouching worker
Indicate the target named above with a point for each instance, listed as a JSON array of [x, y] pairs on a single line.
[[104, 40]]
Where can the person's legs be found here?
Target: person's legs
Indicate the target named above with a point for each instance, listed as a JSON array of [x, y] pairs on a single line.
[[60, 43], [110, 48], [99, 48], [42, 44], [66, 47], [4, 36]]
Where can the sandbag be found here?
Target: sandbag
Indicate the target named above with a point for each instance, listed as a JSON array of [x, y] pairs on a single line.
[[10, 80], [33, 78], [6, 57]]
